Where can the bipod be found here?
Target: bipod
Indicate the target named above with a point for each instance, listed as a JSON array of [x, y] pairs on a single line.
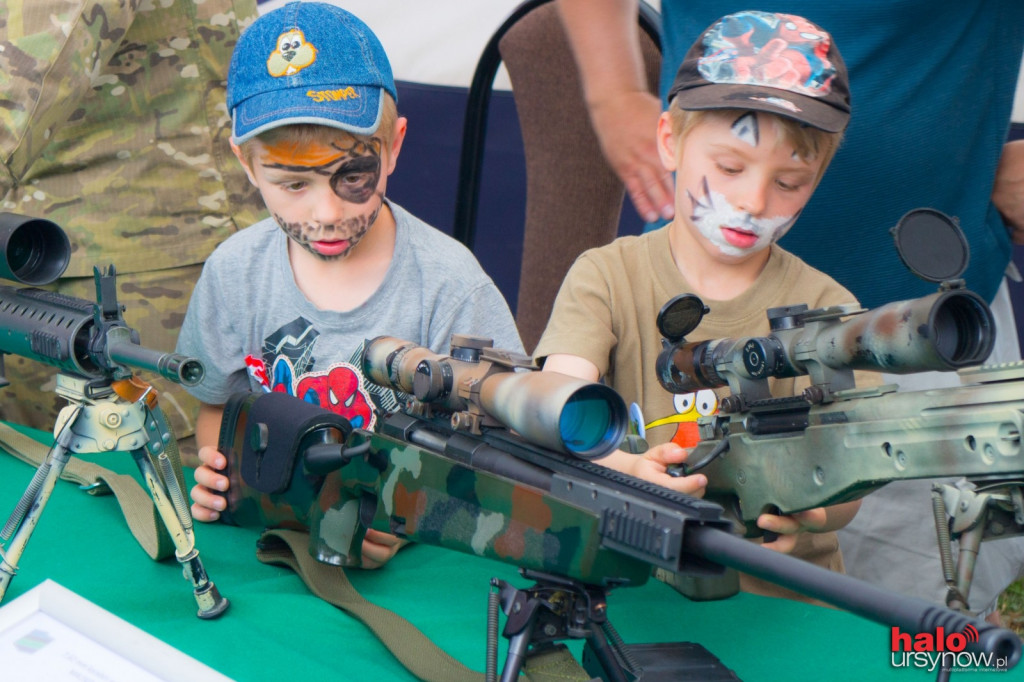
[[105, 416], [987, 510], [555, 608]]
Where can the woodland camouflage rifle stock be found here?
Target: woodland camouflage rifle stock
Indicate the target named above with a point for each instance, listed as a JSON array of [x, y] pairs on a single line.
[[836, 443], [450, 470]]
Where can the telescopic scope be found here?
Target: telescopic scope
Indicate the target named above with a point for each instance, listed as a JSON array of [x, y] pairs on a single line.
[[945, 331], [581, 418]]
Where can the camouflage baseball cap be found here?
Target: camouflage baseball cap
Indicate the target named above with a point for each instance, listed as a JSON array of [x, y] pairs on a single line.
[[779, 63], [307, 62]]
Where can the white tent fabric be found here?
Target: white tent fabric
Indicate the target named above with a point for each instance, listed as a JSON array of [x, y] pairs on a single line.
[[430, 41]]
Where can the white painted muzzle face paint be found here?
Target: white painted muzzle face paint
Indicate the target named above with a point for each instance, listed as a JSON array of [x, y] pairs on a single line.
[[735, 232]]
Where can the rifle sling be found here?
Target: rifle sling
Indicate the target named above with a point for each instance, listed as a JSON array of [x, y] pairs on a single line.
[[412, 648], [137, 506]]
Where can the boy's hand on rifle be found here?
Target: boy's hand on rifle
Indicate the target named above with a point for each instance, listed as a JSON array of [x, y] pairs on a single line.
[[817, 520], [379, 547], [207, 504], [653, 465], [787, 527]]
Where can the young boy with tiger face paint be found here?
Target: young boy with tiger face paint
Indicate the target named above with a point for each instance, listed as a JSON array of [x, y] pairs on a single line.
[[285, 305]]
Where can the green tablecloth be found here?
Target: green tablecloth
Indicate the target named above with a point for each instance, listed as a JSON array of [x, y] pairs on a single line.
[[277, 630]]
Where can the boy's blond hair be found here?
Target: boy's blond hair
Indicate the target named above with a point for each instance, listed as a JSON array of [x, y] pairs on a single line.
[[809, 143], [307, 134]]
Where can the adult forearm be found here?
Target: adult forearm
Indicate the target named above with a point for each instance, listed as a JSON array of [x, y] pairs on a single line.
[[605, 42], [624, 113]]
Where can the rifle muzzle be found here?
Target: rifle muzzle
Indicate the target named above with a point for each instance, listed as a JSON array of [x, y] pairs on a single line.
[[171, 366]]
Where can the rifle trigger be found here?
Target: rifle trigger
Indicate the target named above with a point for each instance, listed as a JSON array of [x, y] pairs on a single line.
[[350, 453], [323, 458], [716, 452]]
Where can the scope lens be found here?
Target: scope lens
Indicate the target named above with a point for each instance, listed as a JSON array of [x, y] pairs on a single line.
[[23, 252], [35, 251], [593, 422], [963, 331]]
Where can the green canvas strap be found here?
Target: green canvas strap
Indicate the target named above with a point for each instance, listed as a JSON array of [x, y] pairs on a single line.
[[139, 512], [412, 648]]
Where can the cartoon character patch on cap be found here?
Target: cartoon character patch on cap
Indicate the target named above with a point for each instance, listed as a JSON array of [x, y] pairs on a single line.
[[291, 55], [775, 50]]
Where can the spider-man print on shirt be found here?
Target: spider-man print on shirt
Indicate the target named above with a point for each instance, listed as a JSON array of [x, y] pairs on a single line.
[[286, 366]]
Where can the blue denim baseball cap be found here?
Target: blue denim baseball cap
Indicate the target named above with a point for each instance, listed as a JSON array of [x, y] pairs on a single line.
[[307, 62]]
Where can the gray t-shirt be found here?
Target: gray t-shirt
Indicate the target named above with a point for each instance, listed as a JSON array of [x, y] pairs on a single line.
[[254, 330]]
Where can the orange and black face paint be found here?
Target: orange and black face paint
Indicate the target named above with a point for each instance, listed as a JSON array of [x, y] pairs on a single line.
[[356, 178]]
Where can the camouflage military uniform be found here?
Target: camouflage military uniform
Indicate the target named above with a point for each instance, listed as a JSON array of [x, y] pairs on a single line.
[[113, 124]]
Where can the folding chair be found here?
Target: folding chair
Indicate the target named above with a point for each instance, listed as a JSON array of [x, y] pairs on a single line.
[[573, 199]]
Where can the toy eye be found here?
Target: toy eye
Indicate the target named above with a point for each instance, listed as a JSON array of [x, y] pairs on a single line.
[[683, 402], [707, 402]]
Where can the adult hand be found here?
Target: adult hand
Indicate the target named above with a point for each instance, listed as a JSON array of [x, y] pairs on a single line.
[[626, 127]]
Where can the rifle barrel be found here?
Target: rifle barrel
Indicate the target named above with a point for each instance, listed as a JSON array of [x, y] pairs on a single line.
[[881, 606]]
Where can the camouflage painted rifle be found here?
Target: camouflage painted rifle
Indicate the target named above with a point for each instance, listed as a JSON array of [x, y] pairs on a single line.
[[836, 443], [450, 470], [109, 409]]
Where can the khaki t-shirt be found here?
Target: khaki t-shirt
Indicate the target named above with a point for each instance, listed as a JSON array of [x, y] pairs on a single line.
[[606, 312]]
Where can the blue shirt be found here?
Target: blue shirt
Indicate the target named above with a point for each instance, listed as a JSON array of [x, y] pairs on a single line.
[[932, 86]]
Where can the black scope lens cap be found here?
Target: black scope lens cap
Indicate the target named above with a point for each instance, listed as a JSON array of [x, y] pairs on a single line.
[[931, 245]]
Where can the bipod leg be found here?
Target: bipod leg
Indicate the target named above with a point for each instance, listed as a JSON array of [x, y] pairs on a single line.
[[520, 609], [556, 608], [954, 599], [970, 511], [30, 508], [970, 545], [606, 657], [170, 503]]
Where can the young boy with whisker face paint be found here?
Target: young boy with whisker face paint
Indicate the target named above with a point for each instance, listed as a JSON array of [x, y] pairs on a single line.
[[756, 113], [286, 304]]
